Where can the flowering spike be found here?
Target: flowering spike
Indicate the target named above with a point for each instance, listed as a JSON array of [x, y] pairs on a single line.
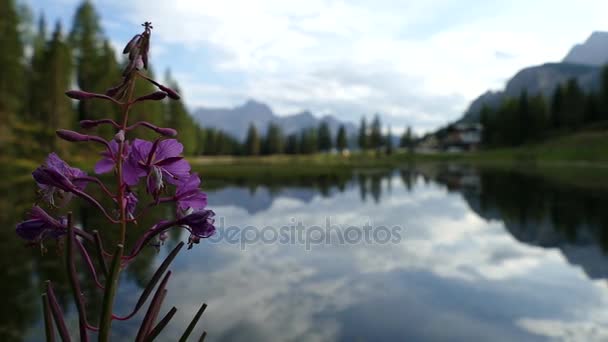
[[159, 165]]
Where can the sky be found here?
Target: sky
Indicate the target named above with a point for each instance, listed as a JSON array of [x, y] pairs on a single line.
[[416, 63]]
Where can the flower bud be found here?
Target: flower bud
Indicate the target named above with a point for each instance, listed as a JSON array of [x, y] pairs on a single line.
[[79, 95], [120, 136], [71, 135], [172, 94], [155, 96], [169, 132], [89, 123], [83, 95]]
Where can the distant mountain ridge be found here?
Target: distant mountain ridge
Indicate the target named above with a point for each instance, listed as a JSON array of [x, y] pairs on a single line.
[[594, 51], [235, 121], [583, 62]]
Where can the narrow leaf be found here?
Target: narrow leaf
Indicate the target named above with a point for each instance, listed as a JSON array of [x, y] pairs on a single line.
[[161, 325], [57, 314], [202, 336], [48, 319], [193, 323], [155, 278], [154, 306]]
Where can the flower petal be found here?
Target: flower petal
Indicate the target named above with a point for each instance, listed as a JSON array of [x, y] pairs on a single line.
[[105, 165], [177, 171], [169, 148]]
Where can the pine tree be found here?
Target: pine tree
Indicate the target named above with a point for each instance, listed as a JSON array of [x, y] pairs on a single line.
[[363, 139], [375, 137], [603, 94], [592, 108], [341, 141], [389, 141], [56, 110], [86, 40], [308, 140], [523, 121], [11, 61], [486, 121], [252, 142], [37, 94], [407, 140], [574, 101], [274, 142], [325, 141], [292, 145], [557, 107], [539, 120]]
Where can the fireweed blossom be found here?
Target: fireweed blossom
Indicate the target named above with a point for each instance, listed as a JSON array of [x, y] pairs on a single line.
[[57, 178], [41, 225], [110, 157], [159, 162], [189, 195], [156, 167]]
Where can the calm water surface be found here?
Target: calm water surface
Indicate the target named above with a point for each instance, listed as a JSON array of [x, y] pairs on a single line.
[[480, 255]]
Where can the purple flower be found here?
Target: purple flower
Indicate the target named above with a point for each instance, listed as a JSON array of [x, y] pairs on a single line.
[[189, 195], [200, 224], [58, 178], [159, 161], [41, 225], [110, 157]]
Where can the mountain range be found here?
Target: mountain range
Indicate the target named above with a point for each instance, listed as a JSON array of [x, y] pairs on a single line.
[[583, 62], [235, 121]]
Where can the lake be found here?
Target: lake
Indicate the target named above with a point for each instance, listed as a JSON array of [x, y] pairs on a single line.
[[429, 252]]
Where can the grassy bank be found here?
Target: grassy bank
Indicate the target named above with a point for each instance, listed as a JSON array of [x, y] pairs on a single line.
[[289, 168], [583, 148]]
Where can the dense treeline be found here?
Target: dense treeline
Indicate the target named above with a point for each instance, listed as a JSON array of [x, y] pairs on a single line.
[[309, 140], [37, 66], [528, 119], [321, 139]]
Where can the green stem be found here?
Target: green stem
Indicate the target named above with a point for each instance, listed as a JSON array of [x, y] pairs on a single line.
[[108, 295]]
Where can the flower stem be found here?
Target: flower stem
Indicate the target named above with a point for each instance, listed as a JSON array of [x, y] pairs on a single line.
[[121, 185]]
